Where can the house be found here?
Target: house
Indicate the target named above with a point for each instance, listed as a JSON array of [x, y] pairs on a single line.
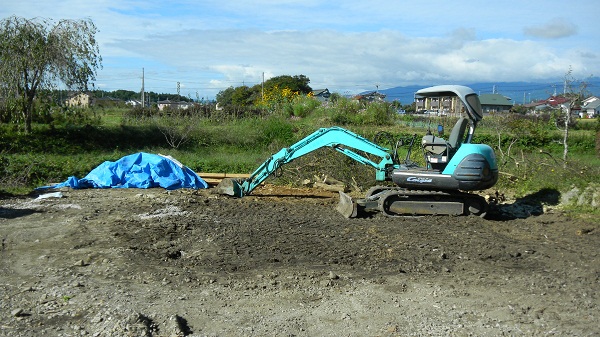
[[438, 105], [556, 101], [536, 105], [134, 103], [173, 105], [321, 94], [552, 102], [590, 107], [82, 100], [371, 96], [495, 103]]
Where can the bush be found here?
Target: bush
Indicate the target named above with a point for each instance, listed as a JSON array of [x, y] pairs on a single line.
[[68, 116], [302, 106], [276, 131], [348, 112], [378, 113], [138, 115]]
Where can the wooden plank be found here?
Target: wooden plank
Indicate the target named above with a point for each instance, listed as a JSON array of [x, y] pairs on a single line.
[[222, 175], [215, 178], [212, 181]]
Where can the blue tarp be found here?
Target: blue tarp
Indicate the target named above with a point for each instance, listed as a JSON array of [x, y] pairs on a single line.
[[139, 170]]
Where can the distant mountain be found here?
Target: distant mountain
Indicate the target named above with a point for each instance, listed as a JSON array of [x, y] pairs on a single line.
[[518, 92]]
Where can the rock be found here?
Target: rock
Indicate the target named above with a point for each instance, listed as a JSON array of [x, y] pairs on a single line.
[[589, 196], [17, 312], [176, 326]]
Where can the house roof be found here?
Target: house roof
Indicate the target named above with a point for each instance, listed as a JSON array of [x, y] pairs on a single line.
[[556, 100], [592, 105], [168, 101], [590, 99], [494, 99], [318, 92], [370, 95]]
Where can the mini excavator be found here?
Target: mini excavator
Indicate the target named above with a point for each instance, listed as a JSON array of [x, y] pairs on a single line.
[[453, 168]]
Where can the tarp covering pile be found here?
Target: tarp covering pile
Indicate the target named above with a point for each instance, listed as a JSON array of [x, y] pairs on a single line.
[[139, 170]]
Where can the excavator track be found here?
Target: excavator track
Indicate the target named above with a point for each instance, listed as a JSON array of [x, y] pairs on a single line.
[[394, 201]]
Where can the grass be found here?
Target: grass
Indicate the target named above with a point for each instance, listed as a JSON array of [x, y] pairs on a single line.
[[529, 154], [112, 117]]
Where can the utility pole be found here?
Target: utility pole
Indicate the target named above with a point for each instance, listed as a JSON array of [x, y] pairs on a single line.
[[262, 87], [143, 98]]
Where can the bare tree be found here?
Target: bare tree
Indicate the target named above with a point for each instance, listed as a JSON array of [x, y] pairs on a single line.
[[38, 54], [575, 91], [176, 125]]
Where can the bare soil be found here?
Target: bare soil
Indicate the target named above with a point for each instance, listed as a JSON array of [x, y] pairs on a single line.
[[283, 262]]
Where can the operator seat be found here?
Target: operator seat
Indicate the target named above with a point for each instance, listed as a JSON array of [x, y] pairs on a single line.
[[438, 151], [458, 133]]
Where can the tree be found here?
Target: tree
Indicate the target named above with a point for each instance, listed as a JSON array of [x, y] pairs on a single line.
[[37, 54], [225, 97], [244, 96], [296, 83], [575, 91]]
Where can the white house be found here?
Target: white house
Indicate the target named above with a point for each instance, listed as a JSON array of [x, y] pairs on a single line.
[[590, 107], [134, 102], [173, 105]]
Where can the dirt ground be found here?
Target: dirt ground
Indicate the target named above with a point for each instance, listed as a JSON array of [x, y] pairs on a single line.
[[283, 262]]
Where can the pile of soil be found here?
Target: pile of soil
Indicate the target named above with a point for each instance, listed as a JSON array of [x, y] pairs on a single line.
[[283, 262]]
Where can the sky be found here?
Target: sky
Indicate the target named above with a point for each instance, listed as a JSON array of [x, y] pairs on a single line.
[[346, 46]]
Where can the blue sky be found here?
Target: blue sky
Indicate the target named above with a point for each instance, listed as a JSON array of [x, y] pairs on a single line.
[[347, 46]]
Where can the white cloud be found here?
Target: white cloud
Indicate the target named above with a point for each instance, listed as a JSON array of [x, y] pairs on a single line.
[[352, 60], [209, 45], [553, 29]]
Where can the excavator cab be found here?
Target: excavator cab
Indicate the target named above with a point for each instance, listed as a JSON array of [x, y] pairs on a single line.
[[438, 151], [455, 164]]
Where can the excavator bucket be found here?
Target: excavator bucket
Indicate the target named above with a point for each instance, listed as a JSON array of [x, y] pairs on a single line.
[[346, 206], [229, 186]]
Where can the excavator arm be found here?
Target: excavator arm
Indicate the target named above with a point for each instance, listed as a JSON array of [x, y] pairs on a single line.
[[335, 137]]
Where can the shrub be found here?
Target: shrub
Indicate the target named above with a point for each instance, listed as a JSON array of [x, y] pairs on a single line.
[[378, 113], [302, 106], [276, 130]]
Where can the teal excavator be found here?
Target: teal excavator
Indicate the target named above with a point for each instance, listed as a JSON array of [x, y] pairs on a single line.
[[454, 168]]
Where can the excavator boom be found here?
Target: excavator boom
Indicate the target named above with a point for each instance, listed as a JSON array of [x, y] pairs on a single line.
[[335, 137]]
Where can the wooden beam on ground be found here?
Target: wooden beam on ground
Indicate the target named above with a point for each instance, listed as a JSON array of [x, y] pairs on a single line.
[[215, 178]]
